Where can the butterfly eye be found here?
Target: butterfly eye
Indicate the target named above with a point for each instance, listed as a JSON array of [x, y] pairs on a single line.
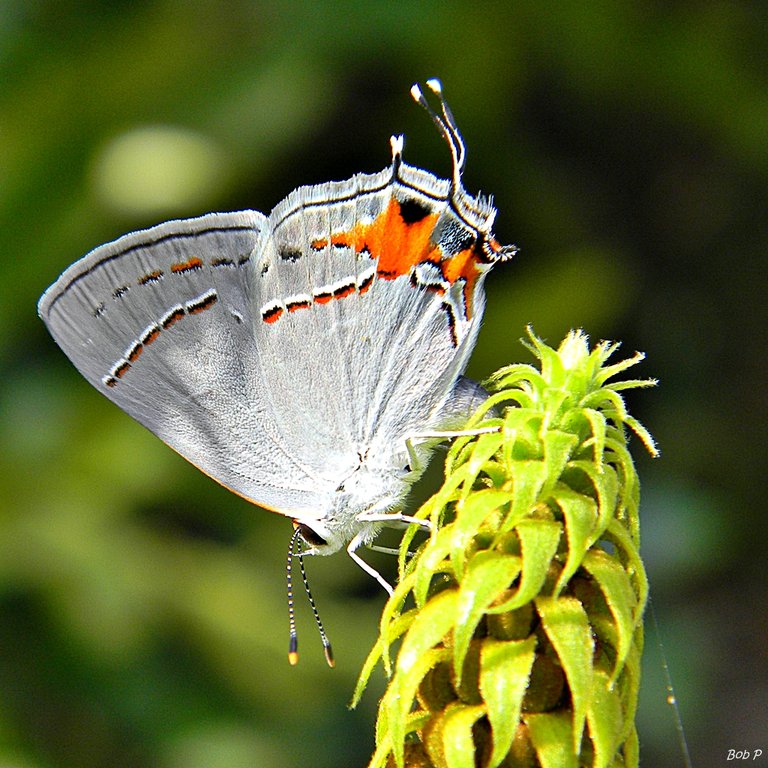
[[310, 536]]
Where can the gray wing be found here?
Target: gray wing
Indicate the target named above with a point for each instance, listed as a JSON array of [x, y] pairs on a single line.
[[362, 358], [160, 322]]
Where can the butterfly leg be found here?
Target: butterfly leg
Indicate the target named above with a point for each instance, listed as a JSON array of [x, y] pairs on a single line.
[[360, 540], [356, 542], [388, 518], [393, 551], [411, 441], [384, 550]]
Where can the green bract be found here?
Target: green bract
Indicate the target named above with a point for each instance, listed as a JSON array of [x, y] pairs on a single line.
[[519, 621]]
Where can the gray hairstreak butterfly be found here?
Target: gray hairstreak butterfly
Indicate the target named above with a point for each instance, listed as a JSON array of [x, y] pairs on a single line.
[[307, 360]]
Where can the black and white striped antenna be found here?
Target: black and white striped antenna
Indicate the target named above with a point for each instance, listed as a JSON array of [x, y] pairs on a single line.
[[293, 641]]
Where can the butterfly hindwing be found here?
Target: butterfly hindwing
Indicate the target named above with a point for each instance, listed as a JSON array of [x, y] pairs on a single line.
[[160, 322]]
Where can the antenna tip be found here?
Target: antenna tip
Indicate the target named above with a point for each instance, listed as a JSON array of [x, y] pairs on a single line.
[[417, 95], [293, 658], [435, 85], [293, 650], [329, 656]]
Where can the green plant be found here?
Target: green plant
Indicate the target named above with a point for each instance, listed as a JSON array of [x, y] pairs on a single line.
[[519, 621]]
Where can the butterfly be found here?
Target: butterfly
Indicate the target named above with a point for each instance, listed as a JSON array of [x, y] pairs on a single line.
[[307, 359]]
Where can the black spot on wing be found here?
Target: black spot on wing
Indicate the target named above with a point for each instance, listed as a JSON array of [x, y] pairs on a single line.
[[413, 211], [289, 253]]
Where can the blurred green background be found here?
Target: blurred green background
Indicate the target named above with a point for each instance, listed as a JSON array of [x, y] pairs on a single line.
[[142, 607]]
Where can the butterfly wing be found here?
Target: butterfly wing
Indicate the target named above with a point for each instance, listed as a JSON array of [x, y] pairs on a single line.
[[160, 322], [281, 355], [368, 323]]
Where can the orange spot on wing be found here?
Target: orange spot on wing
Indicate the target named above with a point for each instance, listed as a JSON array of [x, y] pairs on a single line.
[[151, 277], [172, 318], [272, 315], [461, 266], [135, 353], [399, 245], [396, 244], [365, 285], [186, 266], [344, 291]]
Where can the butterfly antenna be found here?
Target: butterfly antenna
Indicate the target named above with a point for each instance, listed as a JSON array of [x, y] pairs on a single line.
[[436, 87], [449, 130], [323, 637], [293, 642], [446, 124]]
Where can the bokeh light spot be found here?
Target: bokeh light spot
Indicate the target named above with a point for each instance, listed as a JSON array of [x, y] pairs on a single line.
[[157, 170]]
